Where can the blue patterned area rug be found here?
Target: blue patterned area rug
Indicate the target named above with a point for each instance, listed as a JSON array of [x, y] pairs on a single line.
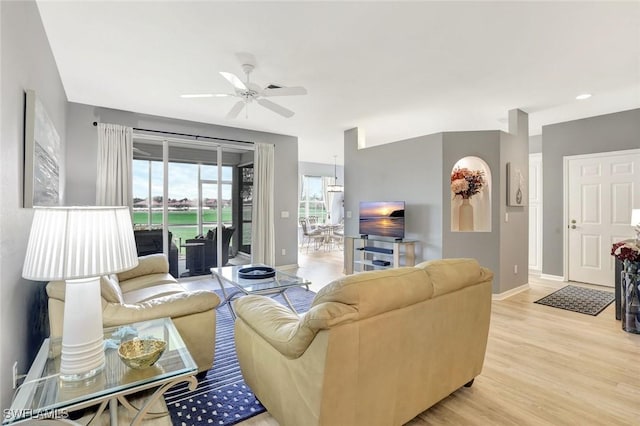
[[578, 299], [222, 397]]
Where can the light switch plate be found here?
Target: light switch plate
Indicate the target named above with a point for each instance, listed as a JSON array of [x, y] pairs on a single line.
[[284, 214]]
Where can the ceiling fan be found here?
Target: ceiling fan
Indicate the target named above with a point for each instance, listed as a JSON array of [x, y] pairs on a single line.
[[249, 92]]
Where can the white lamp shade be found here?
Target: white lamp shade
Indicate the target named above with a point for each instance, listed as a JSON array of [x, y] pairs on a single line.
[[635, 217], [79, 242]]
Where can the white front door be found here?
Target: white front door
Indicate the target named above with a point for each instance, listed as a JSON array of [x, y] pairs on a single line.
[[602, 190]]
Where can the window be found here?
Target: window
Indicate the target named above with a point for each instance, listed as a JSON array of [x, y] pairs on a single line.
[[192, 197], [147, 193], [312, 198]]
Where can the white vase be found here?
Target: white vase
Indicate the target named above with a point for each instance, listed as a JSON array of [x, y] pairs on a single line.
[[465, 216]]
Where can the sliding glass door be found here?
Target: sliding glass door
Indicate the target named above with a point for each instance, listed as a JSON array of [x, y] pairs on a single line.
[[195, 197]]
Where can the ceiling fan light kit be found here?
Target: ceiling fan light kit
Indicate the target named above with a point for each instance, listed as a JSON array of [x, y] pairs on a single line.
[[249, 92]]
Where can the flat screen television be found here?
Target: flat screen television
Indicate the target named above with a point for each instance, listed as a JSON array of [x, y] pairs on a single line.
[[382, 218]]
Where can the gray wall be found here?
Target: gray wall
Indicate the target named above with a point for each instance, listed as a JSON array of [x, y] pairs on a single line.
[[410, 171], [26, 63], [514, 233], [82, 155], [611, 132], [484, 246], [321, 169], [417, 171], [535, 144]]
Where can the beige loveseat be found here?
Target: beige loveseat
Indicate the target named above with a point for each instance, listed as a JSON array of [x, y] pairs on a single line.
[[147, 292], [376, 348]]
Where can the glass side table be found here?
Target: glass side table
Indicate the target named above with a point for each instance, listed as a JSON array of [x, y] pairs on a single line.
[[44, 396]]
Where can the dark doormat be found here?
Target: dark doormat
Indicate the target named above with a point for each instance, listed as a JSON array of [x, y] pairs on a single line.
[[578, 299]]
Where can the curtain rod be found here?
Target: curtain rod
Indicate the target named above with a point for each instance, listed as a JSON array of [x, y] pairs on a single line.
[[95, 123]]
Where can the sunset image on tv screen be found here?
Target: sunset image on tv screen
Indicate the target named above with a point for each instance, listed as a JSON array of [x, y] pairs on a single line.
[[382, 218]]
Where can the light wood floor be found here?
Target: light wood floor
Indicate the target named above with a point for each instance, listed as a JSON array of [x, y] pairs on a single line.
[[544, 366]]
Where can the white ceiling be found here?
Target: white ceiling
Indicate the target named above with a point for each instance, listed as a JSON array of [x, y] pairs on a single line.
[[397, 70]]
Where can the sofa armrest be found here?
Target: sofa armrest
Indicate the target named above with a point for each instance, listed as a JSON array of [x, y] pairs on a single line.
[[173, 306], [283, 329], [56, 290], [275, 323], [147, 265]]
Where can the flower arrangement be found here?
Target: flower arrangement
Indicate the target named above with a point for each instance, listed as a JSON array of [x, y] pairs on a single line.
[[465, 182], [626, 250]]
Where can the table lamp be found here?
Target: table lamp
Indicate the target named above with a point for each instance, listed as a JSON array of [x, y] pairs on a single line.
[[635, 222], [78, 245]]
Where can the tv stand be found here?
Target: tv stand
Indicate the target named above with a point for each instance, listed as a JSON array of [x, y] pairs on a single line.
[[365, 253]]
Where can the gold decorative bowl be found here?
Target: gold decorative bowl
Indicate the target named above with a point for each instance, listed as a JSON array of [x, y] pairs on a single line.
[[141, 353]]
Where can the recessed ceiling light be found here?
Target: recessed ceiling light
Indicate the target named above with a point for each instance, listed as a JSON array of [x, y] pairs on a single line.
[[583, 96]]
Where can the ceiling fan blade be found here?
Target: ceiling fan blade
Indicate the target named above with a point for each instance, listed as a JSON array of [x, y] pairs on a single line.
[[234, 80], [284, 91], [276, 108], [205, 95], [233, 113]]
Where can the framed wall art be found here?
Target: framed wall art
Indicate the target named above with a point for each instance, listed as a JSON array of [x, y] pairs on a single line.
[[42, 156], [516, 188]]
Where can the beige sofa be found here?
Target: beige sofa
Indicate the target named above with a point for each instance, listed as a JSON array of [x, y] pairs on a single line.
[[147, 292], [376, 348]]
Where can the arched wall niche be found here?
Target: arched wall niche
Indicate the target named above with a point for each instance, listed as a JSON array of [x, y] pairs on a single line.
[[480, 202]]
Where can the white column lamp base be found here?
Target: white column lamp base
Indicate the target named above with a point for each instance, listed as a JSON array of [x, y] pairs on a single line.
[[82, 337]]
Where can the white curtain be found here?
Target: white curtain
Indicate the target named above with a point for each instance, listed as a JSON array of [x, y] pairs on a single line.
[[326, 195], [115, 162], [263, 245]]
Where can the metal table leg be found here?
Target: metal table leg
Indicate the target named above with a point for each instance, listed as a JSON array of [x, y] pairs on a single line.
[[227, 297], [286, 299]]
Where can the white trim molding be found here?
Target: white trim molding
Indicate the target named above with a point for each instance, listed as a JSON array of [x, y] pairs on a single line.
[[509, 293], [552, 277]]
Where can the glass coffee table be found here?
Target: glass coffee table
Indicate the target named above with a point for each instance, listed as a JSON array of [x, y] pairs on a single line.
[[44, 396], [276, 285]]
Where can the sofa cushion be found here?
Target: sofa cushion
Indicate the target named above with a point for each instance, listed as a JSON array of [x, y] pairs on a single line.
[[372, 293], [146, 281], [175, 306], [110, 288], [148, 293], [150, 264], [448, 275]]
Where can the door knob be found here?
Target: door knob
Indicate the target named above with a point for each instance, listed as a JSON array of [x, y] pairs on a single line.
[[573, 227], [573, 221]]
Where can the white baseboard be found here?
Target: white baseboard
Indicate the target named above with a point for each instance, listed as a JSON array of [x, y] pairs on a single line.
[[509, 293], [555, 284], [535, 272], [551, 277]]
